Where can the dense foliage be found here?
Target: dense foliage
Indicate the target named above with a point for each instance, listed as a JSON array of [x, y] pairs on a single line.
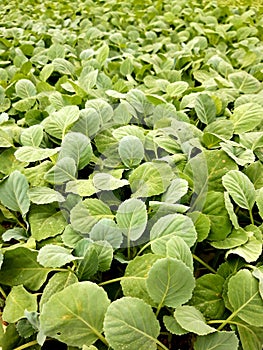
[[131, 193]]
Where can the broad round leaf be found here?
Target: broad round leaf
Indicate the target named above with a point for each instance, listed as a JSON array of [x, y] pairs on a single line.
[[240, 188], [192, 320], [107, 182], [205, 108], [170, 282], [132, 218], [167, 227], [217, 341], [13, 193], [131, 151], [75, 315], [107, 230], [131, 324], [52, 255], [34, 154], [32, 136], [246, 117], [247, 305], [25, 88]]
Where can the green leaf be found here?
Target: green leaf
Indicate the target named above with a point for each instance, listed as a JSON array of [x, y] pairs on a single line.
[[25, 104], [58, 123], [87, 213], [56, 283], [56, 51], [76, 146], [240, 154], [177, 189], [192, 320], [167, 227], [63, 66], [217, 341], [244, 82], [103, 109], [45, 221], [89, 265], [170, 282], [131, 151], [88, 122], [25, 88], [235, 238], [107, 230], [240, 188], [207, 296], [246, 117], [13, 193], [173, 326], [102, 54], [258, 273], [32, 136], [255, 173], [105, 255], [20, 266], [177, 88], [205, 108], [214, 208], [231, 212], [44, 195], [34, 154], [252, 249], [247, 305], [251, 337], [131, 218], [107, 182], [75, 315], [15, 233], [83, 188], [54, 256], [17, 301], [130, 323], [64, 170], [177, 248], [150, 179], [133, 282], [202, 224], [5, 139]]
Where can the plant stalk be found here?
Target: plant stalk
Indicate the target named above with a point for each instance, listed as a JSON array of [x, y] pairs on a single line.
[[203, 263]]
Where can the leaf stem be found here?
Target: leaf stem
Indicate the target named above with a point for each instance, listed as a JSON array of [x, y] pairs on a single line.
[[118, 279], [251, 217], [203, 263], [27, 345], [144, 247], [3, 293]]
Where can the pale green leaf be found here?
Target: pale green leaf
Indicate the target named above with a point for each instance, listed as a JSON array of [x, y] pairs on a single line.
[[25, 88], [202, 224], [5, 139], [236, 238], [34, 154], [88, 122], [177, 248], [80, 307], [64, 170], [87, 213], [259, 201], [107, 230], [57, 283], [17, 301], [177, 88], [133, 282], [230, 209], [251, 337], [89, 265], [13, 193], [131, 151], [32, 136], [247, 305], [173, 326], [107, 182], [240, 188], [44, 195], [131, 324], [192, 320], [131, 218], [84, 188], [170, 282], [167, 227], [177, 189], [205, 108], [244, 82], [45, 221], [76, 146], [240, 154], [52, 255], [20, 266], [59, 122], [217, 341], [150, 179], [246, 117]]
